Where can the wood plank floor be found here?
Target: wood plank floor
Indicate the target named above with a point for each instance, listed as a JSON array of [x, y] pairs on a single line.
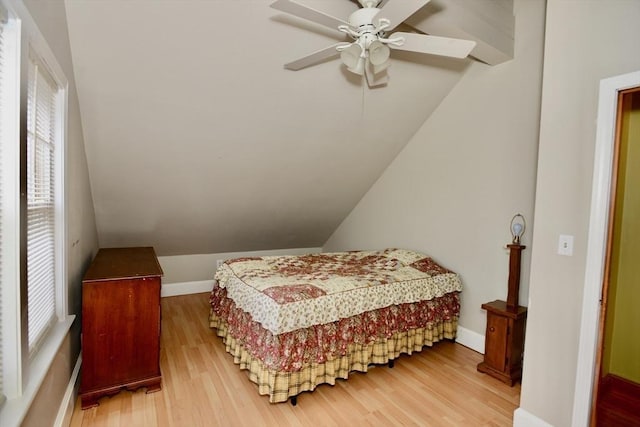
[[618, 402], [202, 387]]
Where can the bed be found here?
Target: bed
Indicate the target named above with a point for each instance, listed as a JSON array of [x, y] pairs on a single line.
[[295, 322]]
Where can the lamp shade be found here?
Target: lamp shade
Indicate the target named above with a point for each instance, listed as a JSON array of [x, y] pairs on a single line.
[[380, 68], [351, 56], [378, 53], [359, 68]]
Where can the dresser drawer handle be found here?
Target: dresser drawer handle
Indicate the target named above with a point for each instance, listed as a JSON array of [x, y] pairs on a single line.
[[492, 329]]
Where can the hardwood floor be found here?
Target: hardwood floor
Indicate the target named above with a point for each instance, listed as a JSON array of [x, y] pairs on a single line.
[[618, 402], [201, 386]]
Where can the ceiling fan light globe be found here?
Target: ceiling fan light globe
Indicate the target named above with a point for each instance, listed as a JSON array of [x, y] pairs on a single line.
[[359, 67], [351, 55], [381, 67], [378, 53]]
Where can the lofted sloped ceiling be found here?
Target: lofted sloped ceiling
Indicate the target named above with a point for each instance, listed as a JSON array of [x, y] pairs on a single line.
[[198, 141]]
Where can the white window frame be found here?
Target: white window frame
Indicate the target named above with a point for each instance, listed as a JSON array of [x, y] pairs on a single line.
[[10, 169], [58, 160], [23, 374]]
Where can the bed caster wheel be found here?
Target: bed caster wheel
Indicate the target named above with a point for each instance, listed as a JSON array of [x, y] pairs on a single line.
[[294, 400], [391, 363]]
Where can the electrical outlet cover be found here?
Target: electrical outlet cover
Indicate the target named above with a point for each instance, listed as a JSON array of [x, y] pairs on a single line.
[[565, 245]]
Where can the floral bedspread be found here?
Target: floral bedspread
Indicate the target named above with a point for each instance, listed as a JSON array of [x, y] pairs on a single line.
[[319, 344], [287, 293]]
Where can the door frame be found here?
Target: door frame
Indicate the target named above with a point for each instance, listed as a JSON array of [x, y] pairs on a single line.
[[601, 193]]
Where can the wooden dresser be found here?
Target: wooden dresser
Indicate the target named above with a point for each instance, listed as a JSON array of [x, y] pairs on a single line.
[[120, 323]]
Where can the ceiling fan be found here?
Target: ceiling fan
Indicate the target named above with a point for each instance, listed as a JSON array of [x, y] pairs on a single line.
[[368, 27]]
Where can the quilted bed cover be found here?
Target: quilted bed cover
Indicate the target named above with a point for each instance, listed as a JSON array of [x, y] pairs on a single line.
[[299, 321], [286, 293]]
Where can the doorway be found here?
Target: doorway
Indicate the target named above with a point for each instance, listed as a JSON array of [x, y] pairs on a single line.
[[599, 243], [617, 380]]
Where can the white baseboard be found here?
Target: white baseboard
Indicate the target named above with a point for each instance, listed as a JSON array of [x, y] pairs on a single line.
[[522, 418], [185, 288], [468, 338], [63, 419]]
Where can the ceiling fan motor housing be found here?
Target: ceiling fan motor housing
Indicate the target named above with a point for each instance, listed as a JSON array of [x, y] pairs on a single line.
[[369, 3], [363, 29], [363, 17]]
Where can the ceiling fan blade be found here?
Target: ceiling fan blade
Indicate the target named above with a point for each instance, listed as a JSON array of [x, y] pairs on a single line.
[[305, 12], [434, 45], [396, 11], [314, 57], [373, 79]]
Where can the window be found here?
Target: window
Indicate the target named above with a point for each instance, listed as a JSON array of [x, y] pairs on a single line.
[[41, 201], [33, 312]]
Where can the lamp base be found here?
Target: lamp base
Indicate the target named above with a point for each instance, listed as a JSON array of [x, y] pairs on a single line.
[[515, 257]]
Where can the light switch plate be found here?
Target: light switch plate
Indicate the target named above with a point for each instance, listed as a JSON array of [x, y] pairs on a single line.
[[565, 245]]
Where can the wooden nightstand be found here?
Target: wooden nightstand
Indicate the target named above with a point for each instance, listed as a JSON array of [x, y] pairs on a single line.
[[504, 341], [120, 323]]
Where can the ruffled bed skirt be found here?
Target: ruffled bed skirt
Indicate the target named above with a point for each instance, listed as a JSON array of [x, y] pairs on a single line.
[[281, 385]]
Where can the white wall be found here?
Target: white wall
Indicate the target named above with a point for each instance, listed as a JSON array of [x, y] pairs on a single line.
[[179, 269], [199, 141], [82, 240], [586, 40], [453, 190]]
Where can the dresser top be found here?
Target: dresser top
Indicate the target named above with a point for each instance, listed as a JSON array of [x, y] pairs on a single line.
[[123, 263]]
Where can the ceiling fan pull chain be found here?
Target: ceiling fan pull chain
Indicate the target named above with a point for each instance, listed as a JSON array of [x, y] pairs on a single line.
[[362, 101]]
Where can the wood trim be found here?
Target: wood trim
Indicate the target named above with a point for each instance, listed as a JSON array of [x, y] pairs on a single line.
[[604, 297], [629, 91], [470, 339], [186, 288], [66, 407], [523, 418], [622, 385], [598, 221]]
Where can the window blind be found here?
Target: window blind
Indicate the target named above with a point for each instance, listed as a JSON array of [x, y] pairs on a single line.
[[41, 203]]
